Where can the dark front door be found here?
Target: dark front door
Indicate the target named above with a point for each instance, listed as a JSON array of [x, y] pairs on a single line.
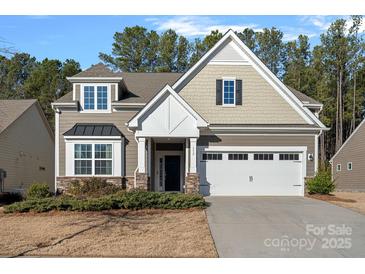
[[172, 173]]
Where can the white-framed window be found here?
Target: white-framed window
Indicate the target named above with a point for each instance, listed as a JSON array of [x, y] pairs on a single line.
[[83, 158], [349, 166], [95, 97], [102, 97], [93, 159], [338, 167], [103, 159], [89, 97], [229, 92]]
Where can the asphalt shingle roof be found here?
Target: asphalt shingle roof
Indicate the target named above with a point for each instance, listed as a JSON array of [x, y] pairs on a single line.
[[10, 110]]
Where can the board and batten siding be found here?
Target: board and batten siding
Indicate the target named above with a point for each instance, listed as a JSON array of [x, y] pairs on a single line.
[[353, 151], [69, 118], [261, 103], [224, 140], [26, 147]]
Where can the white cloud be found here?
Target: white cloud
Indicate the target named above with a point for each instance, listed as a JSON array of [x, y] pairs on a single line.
[[190, 26], [292, 33], [318, 21]]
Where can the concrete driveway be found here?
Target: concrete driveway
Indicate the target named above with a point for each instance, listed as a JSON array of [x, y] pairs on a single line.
[[284, 227]]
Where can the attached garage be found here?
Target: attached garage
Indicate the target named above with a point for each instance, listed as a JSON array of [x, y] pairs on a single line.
[[252, 171]]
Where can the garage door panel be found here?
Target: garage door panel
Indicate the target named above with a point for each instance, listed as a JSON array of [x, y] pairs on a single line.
[[251, 177]]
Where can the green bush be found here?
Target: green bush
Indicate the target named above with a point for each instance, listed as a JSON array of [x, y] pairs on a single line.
[[322, 183], [38, 191], [94, 187], [121, 200]]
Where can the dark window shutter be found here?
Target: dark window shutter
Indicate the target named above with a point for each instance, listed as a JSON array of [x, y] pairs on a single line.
[[238, 92], [218, 98]]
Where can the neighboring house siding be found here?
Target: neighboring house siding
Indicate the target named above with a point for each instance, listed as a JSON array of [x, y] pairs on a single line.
[[224, 140], [353, 151], [68, 119], [261, 104], [25, 146]]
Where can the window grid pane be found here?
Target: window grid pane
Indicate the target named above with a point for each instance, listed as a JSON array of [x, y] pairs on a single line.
[[102, 97], [103, 167], [83, 167], [212, 156], [83, 151], [238, 156], [89, 97], [228, 92], [263, 156]]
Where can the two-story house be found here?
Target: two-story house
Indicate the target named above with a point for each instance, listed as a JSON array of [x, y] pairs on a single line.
[[228, 126]]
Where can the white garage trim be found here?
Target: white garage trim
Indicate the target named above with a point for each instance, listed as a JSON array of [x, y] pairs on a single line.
[[273, 149], [256, 148]]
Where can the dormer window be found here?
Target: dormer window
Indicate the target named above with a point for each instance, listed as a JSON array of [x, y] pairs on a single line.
[[102, 97], [95, 97], [89, 101]]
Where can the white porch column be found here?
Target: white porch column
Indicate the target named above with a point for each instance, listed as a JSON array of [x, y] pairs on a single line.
[[193, 155], [141, 155], [149, 156], [187, 156]]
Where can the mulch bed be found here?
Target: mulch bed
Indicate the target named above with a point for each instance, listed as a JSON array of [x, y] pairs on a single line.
[[330, 197]]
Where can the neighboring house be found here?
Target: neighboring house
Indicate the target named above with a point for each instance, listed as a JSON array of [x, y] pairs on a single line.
[[228, 126], [348, 164], [26, 146]]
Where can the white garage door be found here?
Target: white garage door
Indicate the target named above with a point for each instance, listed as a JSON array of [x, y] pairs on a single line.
[[251, 173]]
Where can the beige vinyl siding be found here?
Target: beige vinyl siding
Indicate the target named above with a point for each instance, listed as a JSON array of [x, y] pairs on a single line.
[[25, 146], [224, 140], [112, 92], [353, 151], [68, 119], [261, 104], [77, 92]]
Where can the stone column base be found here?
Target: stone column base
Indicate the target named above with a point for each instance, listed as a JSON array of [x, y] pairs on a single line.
[[192, 183], [142, 181]]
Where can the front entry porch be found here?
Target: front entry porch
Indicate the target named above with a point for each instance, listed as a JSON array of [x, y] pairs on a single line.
[[166, 130], [167, 164]]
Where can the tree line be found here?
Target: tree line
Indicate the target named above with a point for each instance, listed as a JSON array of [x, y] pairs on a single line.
[[332, 72], [23, 77]]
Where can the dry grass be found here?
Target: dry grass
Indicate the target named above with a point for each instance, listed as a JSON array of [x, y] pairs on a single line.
[[117, 233], [352, 200]]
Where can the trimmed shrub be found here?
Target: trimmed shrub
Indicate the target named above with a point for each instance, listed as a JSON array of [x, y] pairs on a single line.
[[322, 183], [94, 187], [38, 191], [121, 200]]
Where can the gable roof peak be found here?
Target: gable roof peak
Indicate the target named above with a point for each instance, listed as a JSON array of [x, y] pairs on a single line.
[[96, 71]]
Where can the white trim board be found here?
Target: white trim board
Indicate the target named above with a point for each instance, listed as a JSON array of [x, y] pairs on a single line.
[[256, 148], [133, 123], [348, 139], [297, 105]]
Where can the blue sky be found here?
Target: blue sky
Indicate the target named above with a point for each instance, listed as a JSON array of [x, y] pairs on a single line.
[[83, 37]]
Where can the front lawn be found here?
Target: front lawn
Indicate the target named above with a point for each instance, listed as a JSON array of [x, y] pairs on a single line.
[[113, 233]]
